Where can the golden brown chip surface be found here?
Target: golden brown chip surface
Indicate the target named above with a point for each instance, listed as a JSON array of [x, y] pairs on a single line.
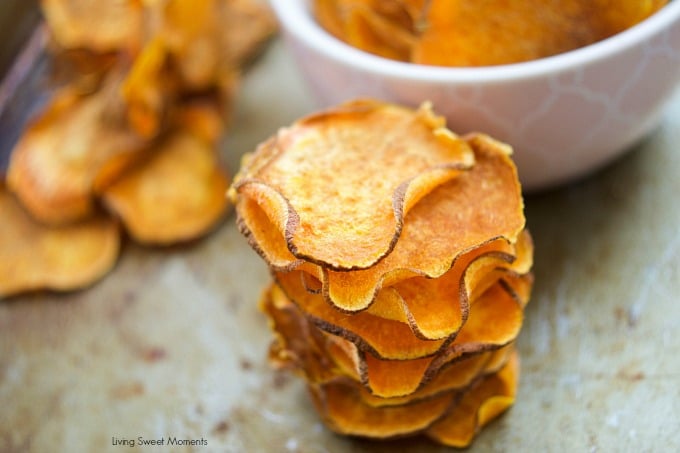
[[479, 206], [177, 194], [34, 256], [325, 185], [54, 165], [98, 25]]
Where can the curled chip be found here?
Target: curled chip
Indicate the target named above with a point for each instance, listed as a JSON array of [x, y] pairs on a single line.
[[365, 162], [342, 409], [177, 194], [477, 407], [478, 206], [389, 359], [437, 308], [54, 165], [468, 33], [34, 256], [102, 26]]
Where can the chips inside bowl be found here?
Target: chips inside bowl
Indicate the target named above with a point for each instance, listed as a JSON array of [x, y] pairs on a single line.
[[470, 33]]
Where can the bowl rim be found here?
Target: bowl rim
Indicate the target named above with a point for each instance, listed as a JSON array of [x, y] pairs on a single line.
[[297, 21]]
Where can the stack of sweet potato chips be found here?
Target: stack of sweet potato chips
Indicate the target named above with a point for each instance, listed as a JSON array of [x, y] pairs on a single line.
[[130, 135], [401, 267]]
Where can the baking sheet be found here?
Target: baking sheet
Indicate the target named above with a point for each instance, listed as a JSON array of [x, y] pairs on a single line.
[[171, 343]]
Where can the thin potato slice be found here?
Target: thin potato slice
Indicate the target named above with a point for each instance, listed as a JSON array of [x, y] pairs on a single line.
[[245, 26], [34, 256], [101, 26], [316, 180], [54, 165], [148, 89], [494, 322], [479, 206], [478, 406], [453, 377], [297, 345], [342, 409], [495, 319], [176, 195], [324, 358]]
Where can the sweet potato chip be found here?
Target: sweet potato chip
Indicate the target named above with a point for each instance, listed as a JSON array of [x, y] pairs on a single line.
[[491, 325], [297, 345], [148, 89], [342, 409], [317, 183], [56, 161], [34, 256], [175, 195], [101, 26], [477, 207], [395, 340], [245, 26], [478, 406], [452, 377]]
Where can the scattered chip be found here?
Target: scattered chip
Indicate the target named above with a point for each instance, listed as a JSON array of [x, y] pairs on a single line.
[[102, 26], [176, 195], [34, 256], [56, 161]]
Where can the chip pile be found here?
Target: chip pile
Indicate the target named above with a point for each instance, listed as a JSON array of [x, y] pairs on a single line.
[[401, 267], [477, 33], [129, 135]]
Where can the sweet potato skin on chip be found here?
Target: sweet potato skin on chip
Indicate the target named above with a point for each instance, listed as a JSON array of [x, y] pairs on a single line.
[[317, 179], [177, 194], [34, 256]]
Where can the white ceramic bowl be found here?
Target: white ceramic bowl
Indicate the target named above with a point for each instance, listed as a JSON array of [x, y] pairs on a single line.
[[565, 115]]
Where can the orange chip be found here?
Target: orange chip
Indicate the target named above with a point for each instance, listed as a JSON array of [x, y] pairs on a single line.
[[297, 345], [101, 26], [479, 206], [175, 195], [148, 89], [394, 339], [454, 376], [54, 165], [34, 256], [245, 26], [316, 181], [341, 407], [478, 406]]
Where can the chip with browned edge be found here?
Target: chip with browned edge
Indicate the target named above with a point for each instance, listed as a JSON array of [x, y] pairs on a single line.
[[177, 194], [34, 256], [337, 185]]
